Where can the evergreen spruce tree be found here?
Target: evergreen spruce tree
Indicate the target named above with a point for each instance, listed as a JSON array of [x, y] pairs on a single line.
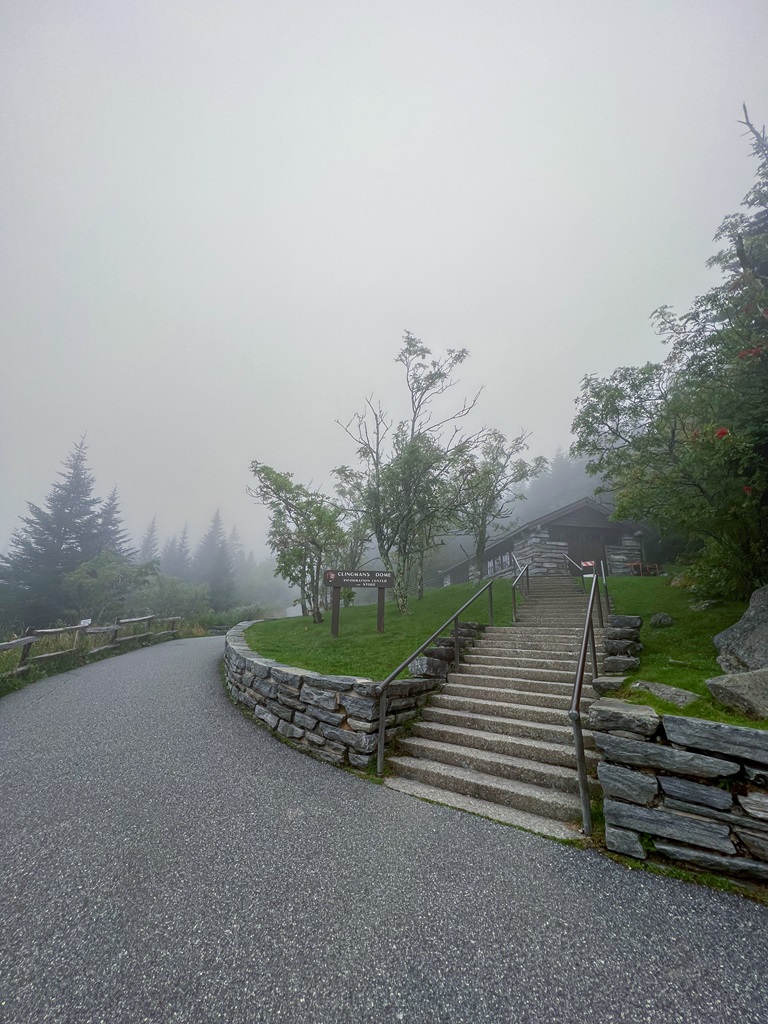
[[213, 565], [53, 540], [149, 549], [112, 534], [184, 555]]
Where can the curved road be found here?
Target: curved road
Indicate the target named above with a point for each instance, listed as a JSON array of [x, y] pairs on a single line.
[[164, 860]]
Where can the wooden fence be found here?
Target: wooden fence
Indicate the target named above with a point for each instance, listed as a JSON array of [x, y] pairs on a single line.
[[121, 634]]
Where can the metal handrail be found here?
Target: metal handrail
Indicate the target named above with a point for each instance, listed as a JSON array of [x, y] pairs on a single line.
[[382, 690], [574, 713]]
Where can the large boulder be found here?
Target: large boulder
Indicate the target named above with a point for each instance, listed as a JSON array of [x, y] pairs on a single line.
[[744, 646], [742, 691]]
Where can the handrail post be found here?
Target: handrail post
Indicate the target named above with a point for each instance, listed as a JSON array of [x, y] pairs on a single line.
[[490, 604], [593, 647], [382, 732], [514, 603], [456, 643], [605, 589], [581, 767], [600, 618]]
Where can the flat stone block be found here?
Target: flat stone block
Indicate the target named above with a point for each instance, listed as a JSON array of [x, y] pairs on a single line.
[[366, 708], [321, 698], [622, 840], [337, 682], [613, 633], [335, 754], [266, 716], [608, 714], [619, 663], [286, 674], [658, 822], [756, 844], [289, 731], [695, 793], [756, 805], [607, 684], [625, 621], [672, 694], [630, 647], [624, 784], [655, 755], [314, 739], [265, 687], [734, 740], [729, 865], [330, 717], [304, 721], [282, 712], [359, 760]]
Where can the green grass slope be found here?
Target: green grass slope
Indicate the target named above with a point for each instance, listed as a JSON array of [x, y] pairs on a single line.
[[679, 655], [359, 650]]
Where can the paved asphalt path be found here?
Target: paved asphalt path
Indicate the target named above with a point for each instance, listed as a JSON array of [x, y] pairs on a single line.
[[165, 860]]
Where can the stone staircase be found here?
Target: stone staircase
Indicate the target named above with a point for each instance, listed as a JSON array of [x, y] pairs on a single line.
[[496, 740]]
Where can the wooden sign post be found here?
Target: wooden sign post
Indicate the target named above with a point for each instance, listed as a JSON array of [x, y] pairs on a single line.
[[341, 579]]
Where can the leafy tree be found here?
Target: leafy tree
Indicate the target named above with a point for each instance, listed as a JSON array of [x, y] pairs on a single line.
[[212, 565], [410, 486], [149, 550], [493, 475], [98, 588], [306, 529], [52, 541], [684, 443]]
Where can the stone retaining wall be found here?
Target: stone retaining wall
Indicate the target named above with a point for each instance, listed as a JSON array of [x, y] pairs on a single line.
[[336, 718], [692, 790]]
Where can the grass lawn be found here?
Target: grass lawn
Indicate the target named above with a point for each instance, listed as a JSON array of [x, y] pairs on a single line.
[[682, 654], [359, 650]]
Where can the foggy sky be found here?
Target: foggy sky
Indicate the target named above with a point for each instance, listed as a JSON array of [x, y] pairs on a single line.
[[219, 216]]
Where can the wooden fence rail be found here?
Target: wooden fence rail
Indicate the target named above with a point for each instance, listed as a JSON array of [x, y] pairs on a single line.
[[120, 633]]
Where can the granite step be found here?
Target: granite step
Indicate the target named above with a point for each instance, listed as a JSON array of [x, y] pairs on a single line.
[[514, 746], [537, 773], [524, 796], [484, 808], [546, 731]]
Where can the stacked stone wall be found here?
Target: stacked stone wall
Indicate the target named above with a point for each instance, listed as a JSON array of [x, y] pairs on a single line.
[[543, 555], [336, 718], [620, 556], [694, 791]]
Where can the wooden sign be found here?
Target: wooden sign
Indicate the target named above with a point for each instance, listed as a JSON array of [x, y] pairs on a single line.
[[342, 579]]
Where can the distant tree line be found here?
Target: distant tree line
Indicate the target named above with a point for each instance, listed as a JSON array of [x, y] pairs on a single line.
[[72, 558]]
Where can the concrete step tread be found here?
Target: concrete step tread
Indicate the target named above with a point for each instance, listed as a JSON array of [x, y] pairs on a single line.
[[505, 765], [547, 675], [526, 796], [508, 696], [501, 708], [515, 746], [484, 808], [548, 731], [521, 676], [552, 686]]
